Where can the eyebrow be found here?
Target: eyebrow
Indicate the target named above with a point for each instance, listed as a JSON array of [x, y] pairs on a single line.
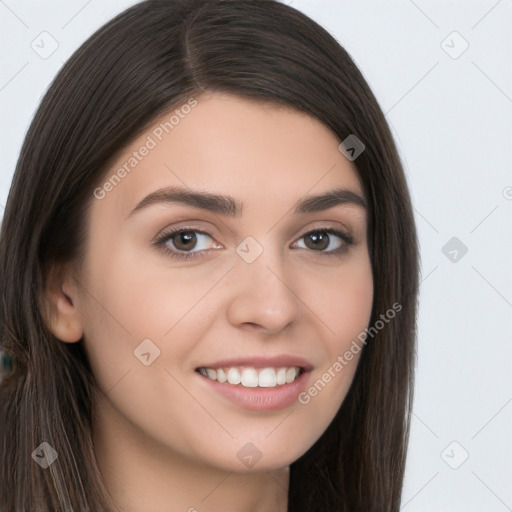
[[230, 207]]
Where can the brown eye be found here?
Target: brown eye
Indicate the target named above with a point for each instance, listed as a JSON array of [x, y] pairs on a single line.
[[186, 243], [184, 240], [317, 240], [328, 242]]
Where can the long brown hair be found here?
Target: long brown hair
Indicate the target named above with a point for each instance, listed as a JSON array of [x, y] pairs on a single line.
[[145, 61]]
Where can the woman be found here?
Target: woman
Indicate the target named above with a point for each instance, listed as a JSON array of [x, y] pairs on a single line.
[[208, 269]]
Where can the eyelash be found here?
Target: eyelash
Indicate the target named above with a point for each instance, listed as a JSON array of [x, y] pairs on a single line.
[[161, 242]]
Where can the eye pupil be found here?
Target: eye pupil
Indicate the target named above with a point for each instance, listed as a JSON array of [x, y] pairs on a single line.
[[188, 237], [320, 240]]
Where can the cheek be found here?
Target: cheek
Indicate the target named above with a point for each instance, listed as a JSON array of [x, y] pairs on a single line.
[[342, 301], [344, 308], [129, 301], [146, 296]]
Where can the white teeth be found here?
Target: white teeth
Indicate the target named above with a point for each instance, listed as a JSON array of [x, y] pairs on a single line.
[[290, 375], [267, 378], [251, 378], [234, 376], [211, 374]]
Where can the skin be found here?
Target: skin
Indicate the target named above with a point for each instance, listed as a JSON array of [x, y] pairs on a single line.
[[164, 440]]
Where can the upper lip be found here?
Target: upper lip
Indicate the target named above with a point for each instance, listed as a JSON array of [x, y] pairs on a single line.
[[262, 362]]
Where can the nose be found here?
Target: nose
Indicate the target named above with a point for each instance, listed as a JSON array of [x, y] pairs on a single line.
[[261, 295]]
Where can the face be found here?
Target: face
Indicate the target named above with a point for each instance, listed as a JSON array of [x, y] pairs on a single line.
[[252, 280]]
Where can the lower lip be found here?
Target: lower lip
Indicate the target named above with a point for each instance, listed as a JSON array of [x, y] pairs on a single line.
[[261, 399]]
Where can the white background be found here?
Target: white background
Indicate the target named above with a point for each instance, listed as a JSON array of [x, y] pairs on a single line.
[[451, 118]]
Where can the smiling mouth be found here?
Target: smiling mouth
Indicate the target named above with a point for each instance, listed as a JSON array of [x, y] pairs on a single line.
[[251, 377]]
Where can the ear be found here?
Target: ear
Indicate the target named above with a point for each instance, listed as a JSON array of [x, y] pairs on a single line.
[[62, 303]]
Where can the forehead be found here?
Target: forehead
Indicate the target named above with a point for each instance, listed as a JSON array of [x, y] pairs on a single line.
[[252, 150]]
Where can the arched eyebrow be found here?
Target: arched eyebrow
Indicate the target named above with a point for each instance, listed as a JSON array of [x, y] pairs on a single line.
[[230, 207]]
